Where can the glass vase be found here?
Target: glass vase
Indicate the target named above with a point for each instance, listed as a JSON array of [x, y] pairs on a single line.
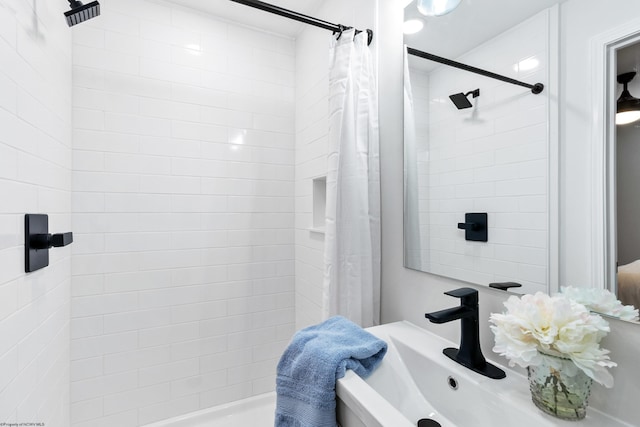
[[559, 387]]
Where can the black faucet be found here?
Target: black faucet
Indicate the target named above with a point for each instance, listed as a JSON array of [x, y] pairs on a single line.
[[469, 354]]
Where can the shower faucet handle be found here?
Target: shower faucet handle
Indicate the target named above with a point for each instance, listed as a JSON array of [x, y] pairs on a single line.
[[46, 241], [468, 226], [61, 239]]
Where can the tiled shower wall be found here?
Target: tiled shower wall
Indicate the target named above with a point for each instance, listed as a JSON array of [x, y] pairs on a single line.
[[183, 184], [35, 177], [490, 158], [312, 125]]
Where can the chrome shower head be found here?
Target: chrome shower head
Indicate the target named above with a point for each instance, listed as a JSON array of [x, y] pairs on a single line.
[[461, 101], [81, 12]]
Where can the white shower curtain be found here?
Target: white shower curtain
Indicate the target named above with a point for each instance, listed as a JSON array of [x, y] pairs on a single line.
[[352, 241]]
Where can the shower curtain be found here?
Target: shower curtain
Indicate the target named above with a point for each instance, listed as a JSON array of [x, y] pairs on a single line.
[[351, 285], [412, 244]]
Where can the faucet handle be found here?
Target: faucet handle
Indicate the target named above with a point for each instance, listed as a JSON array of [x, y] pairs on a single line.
[[504, 286], [469, 296]]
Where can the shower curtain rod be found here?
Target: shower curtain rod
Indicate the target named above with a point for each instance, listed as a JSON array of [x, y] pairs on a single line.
[[535, 88], [336, 28]]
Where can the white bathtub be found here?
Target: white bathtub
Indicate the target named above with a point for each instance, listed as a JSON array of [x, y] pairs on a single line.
[[255, 411]]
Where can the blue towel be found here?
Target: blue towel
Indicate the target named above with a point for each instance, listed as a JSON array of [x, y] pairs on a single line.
[[309, 368]]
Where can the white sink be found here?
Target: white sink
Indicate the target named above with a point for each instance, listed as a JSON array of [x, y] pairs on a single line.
[[415, 381]]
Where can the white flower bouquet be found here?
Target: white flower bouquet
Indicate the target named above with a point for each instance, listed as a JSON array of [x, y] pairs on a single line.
[[535, 325], [602, 301]]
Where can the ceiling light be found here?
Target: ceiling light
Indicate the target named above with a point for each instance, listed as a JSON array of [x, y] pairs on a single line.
[[628, 107], [412, 26], [437, 7]]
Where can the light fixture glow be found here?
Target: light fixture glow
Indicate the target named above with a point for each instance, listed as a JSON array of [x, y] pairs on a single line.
[[527, 64], [628, 107], [437, 7], [237, 138], [627, 117], [194, 49], [412, 26]]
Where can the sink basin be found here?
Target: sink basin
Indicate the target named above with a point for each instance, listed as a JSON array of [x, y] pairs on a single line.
[[417, 381]]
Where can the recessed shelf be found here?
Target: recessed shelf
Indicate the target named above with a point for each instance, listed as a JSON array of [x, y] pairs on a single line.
[[319, 194]]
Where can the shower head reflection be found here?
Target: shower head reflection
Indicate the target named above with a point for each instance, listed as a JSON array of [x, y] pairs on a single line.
[[461, 101]]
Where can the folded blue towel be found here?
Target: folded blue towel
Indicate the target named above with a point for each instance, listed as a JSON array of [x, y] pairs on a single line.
[[309, 368]]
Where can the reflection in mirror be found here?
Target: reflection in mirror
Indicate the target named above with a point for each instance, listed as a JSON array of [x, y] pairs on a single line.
[[497, 156], [474, 144], [601, 301], [627, 179]]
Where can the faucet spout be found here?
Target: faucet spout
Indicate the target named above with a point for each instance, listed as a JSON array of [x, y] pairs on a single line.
[[449, 314], [469, 354]]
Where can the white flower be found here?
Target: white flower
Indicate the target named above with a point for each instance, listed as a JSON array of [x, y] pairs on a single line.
[[602, 301], [555, 325]]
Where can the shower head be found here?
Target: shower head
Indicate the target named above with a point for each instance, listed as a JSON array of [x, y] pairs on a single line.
[[461, 101], [81, 12]]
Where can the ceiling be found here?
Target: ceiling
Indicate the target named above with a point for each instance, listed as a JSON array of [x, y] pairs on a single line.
[[246, 15], [471, 24]]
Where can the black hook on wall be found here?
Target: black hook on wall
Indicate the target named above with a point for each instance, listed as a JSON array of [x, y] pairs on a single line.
[[38, 241]]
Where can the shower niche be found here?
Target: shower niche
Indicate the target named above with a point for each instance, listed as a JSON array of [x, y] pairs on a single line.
[[319, 195]]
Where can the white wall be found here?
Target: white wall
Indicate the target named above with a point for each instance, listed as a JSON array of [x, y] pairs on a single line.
[[183, 211], [409, 294], [490, 158], [312, 127], [35, 176]]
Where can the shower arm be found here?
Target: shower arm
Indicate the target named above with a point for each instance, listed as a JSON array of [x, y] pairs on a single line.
[[296, 16], [535, 88]]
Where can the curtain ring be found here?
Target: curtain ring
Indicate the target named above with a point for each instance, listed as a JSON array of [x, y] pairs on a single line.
[[369, 35], [342, 28]]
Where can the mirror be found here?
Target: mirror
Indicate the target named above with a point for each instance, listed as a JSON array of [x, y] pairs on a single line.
[[478, 145], [626, 236], [499, 155]]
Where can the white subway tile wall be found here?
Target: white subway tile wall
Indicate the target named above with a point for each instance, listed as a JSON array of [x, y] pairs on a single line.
[[312, 126], [35, 177], [183, 198], [490, 158]]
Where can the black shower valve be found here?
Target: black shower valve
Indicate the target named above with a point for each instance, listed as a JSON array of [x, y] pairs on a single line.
[[38, 241], [475, 226], [46, 241], [469, 226]]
